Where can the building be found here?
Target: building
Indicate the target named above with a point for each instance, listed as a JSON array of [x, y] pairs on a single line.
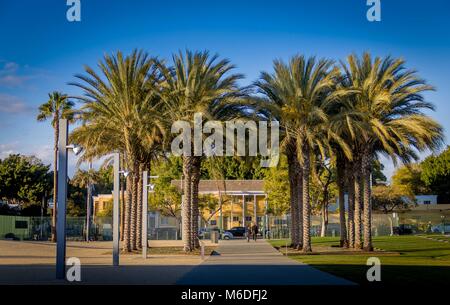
[[227, 204], [102, 204], [426, 199], [235, 202]]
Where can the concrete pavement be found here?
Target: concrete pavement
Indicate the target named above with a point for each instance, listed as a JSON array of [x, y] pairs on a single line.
[[255, 263], [239, 263]]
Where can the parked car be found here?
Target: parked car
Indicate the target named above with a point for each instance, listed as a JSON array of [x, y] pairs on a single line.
[[227, 235], [438, 228], [237, 231], [205, 233], [406, 229]]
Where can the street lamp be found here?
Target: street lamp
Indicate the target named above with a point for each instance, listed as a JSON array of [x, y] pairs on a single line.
[[75, 148], [145, 188], [63, 148], [443, 224], [125, 173]]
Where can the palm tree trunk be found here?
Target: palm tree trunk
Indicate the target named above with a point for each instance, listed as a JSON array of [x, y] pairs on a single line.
[[55, 176], [351, 205], [357, 173], [306, 203], [133, 222], [299, 188], [366, 173], [186, 204], [194, 205], [341, 189], [127, 216], [139, 207], [293, 192]]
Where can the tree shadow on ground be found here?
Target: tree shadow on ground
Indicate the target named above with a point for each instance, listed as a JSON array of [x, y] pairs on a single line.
[[392, 275]]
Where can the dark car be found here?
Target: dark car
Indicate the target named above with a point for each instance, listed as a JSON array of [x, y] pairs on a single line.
[[405, 229], [237, 231]]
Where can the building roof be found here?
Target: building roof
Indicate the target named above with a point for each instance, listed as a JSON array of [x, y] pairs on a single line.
[[227, 186]]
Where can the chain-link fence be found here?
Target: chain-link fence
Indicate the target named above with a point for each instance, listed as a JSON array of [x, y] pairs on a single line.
[[408, 222], [39, 228], [168, 228]]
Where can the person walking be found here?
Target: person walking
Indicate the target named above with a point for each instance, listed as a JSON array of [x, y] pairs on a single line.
[[255, 231], [248, 231]]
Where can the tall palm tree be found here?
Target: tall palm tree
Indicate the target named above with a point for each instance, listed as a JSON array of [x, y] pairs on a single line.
[[197, 83], [121, 106], [303, 90], [57, 107], [390, 101], [86, 179], [270, 107]]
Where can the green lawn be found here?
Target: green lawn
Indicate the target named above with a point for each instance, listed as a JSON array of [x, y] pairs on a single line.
[[411, 260]]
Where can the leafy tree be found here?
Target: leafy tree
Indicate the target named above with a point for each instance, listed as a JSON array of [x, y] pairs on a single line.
[[233, 168], [24, 180], [377, 172], [277, 188], [436, 175], [407, 180], [323, 190], [388, 199], [167, 199], [76, 200]]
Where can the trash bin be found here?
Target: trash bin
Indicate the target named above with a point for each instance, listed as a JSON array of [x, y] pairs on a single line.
[[214, 237]]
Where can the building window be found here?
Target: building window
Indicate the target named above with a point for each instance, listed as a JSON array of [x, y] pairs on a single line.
[[164, 220], [21, 224], [235, 218], [248, 218], [213, 222], [426, 202]]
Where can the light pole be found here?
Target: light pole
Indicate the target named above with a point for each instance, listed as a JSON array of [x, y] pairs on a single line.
[[443, 224], [88, 203], [116, 207], [62, 197], [146, 185]]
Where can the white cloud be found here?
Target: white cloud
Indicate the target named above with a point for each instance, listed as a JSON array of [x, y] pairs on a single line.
[[8, 149], [12, 104], [10, 75]]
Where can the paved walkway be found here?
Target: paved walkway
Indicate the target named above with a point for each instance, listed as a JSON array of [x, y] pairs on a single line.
[[255, 263], [239, 263], [28, 262]]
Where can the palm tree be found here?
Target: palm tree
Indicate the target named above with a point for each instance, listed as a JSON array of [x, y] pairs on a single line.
[[302, 89], [121, 113], [197, 83], [389, 100], [270, 107], [86, 179], [57, 107]]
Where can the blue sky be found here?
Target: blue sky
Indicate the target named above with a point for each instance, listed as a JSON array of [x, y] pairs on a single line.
[[40, 50]]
